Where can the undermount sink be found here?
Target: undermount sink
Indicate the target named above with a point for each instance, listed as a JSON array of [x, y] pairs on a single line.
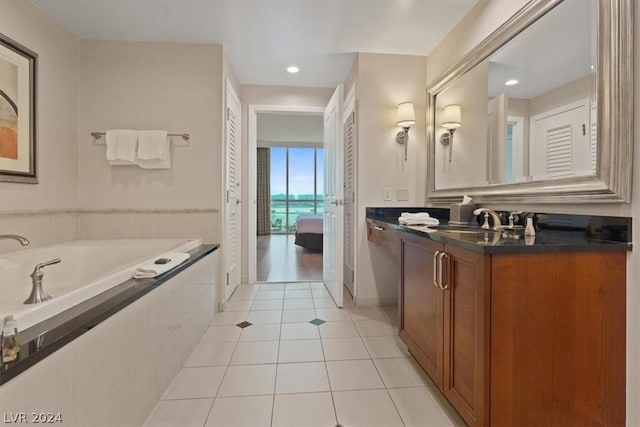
[[449, 228]]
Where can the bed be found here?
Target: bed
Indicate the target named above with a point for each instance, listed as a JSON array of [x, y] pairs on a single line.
[[309, 231]]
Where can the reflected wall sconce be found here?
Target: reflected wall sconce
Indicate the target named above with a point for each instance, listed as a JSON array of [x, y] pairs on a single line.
[[451, 120], [406, 118]]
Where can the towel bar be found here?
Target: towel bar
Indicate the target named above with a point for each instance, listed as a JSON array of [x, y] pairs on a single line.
[[185, 136]]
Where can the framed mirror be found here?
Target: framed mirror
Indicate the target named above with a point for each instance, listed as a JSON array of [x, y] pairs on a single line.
[[541, 111]]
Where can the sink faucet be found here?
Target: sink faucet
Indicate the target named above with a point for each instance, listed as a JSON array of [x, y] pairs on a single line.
[[37, 293], [497, 222], [23, 240]]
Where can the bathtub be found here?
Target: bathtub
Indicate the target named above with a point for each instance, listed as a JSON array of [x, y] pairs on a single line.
[[88, 268]]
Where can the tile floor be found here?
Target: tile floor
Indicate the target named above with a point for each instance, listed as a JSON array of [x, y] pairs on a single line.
[[282, 370]]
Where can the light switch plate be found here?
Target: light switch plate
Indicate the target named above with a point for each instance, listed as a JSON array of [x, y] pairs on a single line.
[[402, 194], [387, 194]]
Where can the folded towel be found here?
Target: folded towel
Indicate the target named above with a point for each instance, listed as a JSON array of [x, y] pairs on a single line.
[[121, 146], [419, 218], [417, 215], [153, 149], [167, 262]]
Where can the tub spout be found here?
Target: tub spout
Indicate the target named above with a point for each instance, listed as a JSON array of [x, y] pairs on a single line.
[[37, 293], [23, 240]]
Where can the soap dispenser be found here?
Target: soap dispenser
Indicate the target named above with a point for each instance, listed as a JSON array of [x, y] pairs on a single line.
[[529, 230], [10, 340]]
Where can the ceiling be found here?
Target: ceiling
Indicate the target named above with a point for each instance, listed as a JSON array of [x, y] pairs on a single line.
[[263, 37]]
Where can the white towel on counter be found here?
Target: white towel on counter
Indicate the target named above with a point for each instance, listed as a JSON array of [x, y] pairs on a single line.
[[418, 218], [151, 269], [122, 146], [154, 151]]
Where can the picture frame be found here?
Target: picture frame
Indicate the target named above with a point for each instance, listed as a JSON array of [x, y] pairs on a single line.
[[18, 86]]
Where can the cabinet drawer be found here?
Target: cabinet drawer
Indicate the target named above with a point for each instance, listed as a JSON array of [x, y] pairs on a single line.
[[383, 236]]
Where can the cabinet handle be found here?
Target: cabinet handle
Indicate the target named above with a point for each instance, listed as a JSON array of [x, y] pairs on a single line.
[[435, 269], [444, 286], [440, 256], [378, 228]]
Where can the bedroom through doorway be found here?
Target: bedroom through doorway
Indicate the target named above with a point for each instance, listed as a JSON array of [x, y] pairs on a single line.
[[289, 202]]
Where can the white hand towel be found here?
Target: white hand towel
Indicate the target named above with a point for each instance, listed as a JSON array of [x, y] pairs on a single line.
[[151, 269], [420, 218], [416, 215], [122, 146], [154, 151]]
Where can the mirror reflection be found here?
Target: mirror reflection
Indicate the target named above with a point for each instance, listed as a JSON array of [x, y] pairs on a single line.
[[528, 112]]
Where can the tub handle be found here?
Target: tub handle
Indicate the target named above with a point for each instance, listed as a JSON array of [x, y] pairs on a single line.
[[37, 293]]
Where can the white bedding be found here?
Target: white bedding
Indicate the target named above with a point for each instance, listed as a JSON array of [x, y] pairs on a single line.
[[309, 223]]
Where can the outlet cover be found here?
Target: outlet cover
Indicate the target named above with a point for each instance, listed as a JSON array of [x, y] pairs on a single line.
[[387, 194], [402, 194]]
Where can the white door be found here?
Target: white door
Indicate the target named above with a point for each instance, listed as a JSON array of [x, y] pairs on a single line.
[[232, 231], [332, 261], [349, 191]]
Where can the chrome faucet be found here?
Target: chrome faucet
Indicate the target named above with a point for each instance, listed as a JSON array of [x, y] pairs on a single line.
[[37, 293], [22, 240], [497, 222], [514, 216]]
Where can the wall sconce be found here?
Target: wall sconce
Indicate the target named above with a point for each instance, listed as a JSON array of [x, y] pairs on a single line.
[[451, 120], [406, 118]]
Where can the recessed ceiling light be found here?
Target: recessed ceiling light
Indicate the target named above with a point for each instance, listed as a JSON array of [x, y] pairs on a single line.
[[511, 82], [293, 69]]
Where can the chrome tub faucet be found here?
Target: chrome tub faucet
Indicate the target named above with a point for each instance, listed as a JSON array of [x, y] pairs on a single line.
[[22, 240], [37, 293]]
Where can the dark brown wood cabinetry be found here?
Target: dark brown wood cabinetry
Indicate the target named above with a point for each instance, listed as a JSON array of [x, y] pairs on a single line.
[[517, 339]]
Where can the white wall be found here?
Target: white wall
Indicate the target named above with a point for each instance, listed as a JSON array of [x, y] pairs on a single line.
[[171, 86], [384, 81], [297, 129], [485, 17], [34, 207], [269, 95]]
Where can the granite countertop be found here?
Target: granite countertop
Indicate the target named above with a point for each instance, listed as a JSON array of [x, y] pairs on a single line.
[[555, 233]]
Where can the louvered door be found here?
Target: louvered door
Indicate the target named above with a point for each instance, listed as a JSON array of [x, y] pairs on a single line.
[[349, 198], [232, 231]]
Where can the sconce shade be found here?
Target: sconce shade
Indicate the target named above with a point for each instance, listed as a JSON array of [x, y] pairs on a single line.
[[406, 114], [451, 117]]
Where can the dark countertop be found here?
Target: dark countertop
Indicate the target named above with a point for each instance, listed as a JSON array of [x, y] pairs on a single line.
[[554, 233], [47, 337]]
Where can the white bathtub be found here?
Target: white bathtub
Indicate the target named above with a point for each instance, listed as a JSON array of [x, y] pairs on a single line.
[[88, 268]]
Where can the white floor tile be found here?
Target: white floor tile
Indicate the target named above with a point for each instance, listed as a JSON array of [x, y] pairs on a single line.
[[353, 375], [188, 413], [338, 330], [298, 316], [244, 292], [267, 316], [301, 377], [229, 317], [225, 333], [254, 411], [194, 383], [255, 353], [297, 304], [297, 286], [271, 287], [239, 305], [248, 380], [261, 332], [269, 295], [400, 372], [297, 294], [300, 351], [299, 331], [392, 313], [211, 354], [367, 313], [382, 347], [267, 304], [366, 408], [419, 407], [375, 328], [333, 314], [304, 410], [324, 303], [317, 285], [320, 293], [344, 349]]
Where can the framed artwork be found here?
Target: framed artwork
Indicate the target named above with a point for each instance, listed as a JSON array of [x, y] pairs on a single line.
[[17, 112]]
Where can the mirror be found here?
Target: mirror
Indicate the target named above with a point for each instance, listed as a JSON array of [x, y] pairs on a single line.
[[543, 109]]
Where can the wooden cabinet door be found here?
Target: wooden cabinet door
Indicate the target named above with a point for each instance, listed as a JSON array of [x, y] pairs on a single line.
[[466, 333], [421, 303]]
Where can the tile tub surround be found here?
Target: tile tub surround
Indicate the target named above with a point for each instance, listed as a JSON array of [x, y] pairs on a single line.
[[556, 232], [351, 376], [193, 280]]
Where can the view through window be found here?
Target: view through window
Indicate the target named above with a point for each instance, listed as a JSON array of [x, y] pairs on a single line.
[[297, 185]]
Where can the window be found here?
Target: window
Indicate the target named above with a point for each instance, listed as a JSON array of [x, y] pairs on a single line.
[[296, 185]]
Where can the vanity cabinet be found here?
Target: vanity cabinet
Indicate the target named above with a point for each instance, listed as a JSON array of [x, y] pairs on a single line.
[[517, 339]]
